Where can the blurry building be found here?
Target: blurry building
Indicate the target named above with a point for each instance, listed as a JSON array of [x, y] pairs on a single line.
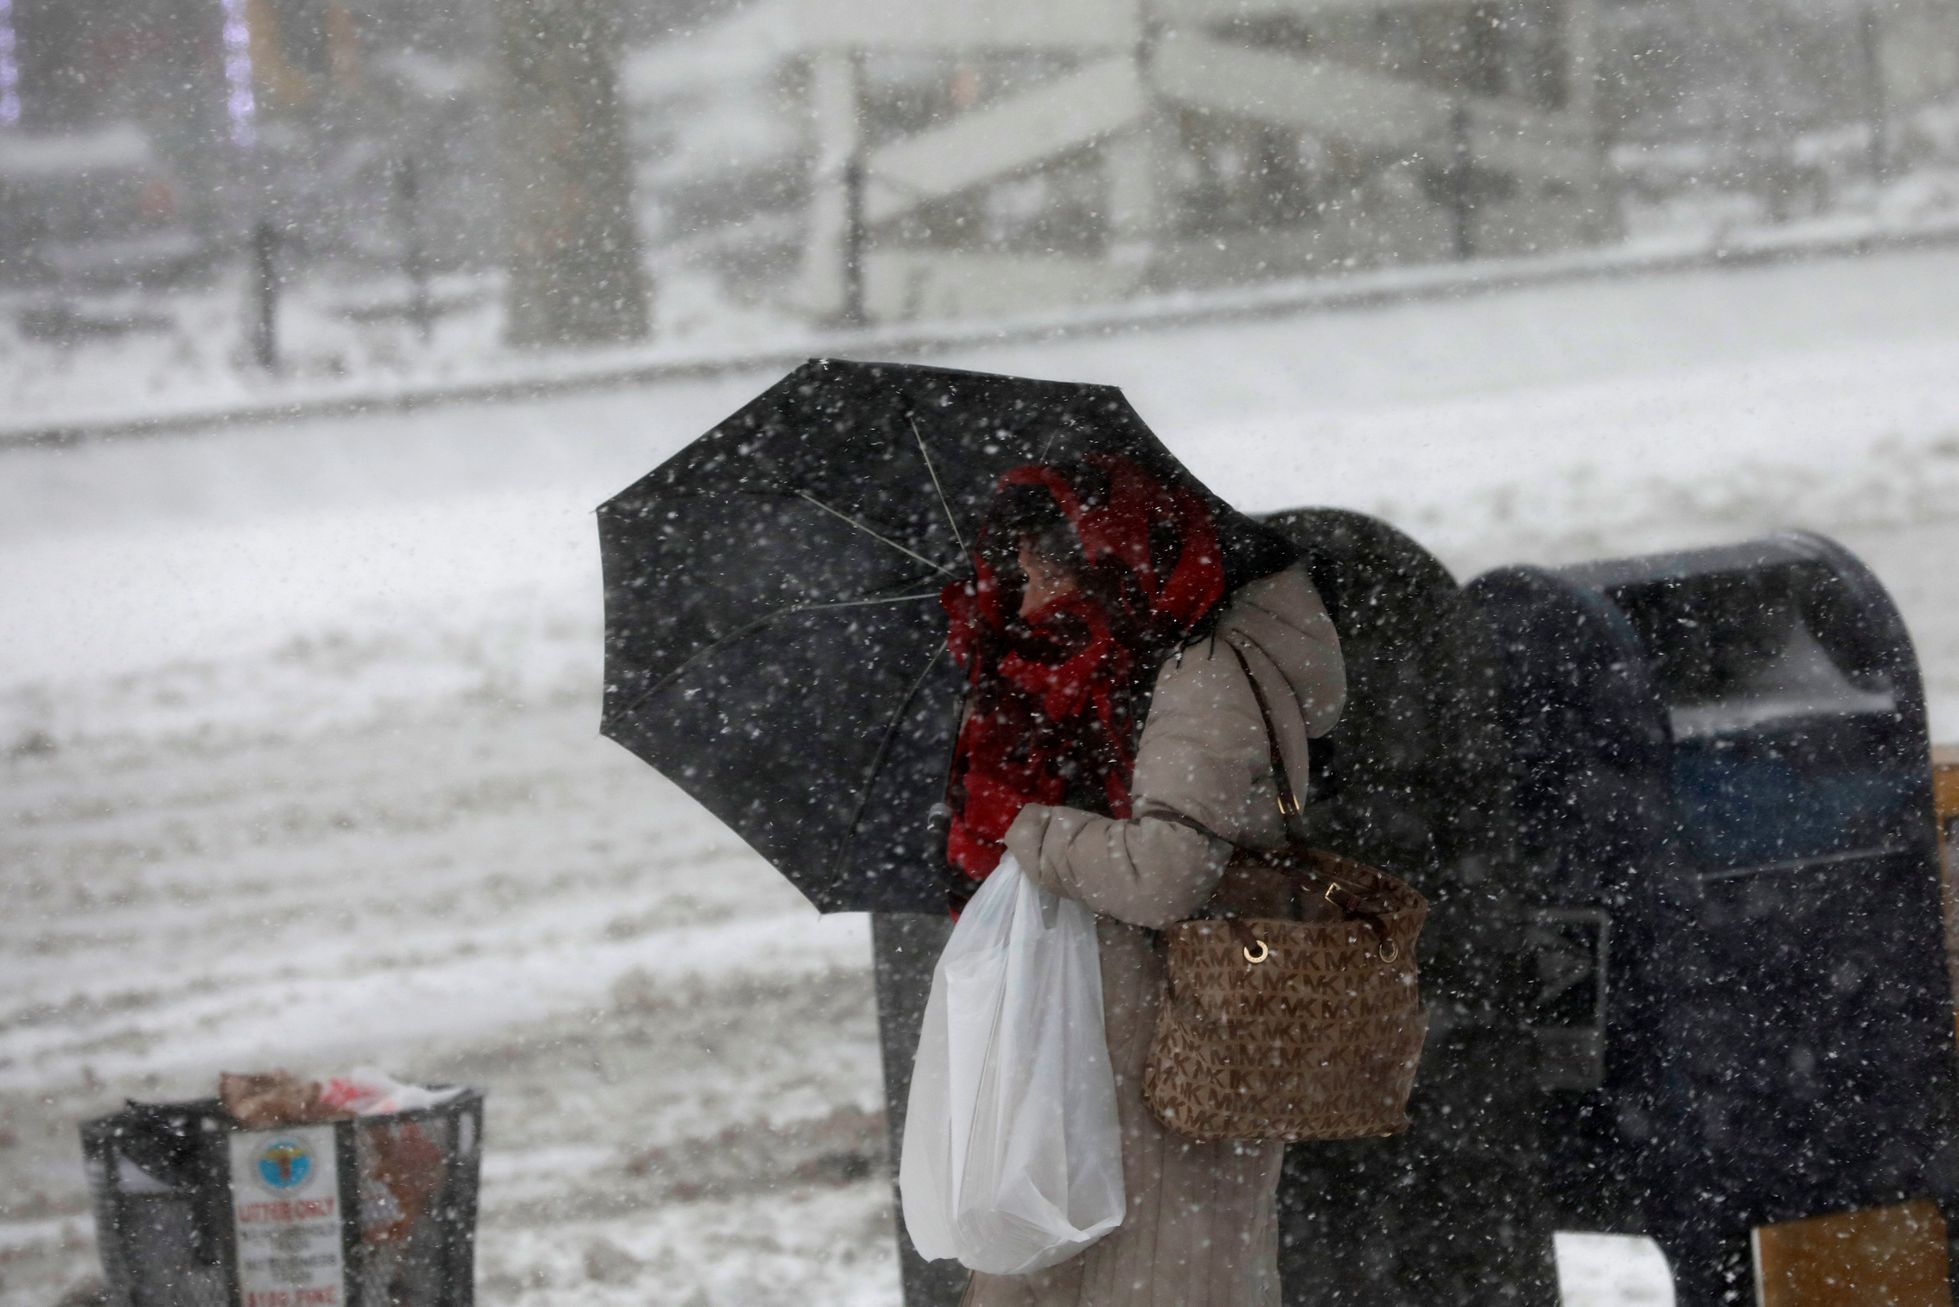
[[1787, 108], [1003, 158], [926, 158], [150, 136], [722, 167], [937, 159], [100, 122]]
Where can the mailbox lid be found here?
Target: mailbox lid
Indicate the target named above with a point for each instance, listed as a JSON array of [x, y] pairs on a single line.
[[1789, 693], [1789, 628]]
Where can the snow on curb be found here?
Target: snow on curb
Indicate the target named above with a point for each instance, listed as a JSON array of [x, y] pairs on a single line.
[[550, 374]]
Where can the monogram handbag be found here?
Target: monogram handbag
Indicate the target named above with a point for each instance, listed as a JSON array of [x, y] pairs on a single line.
[[1292, 1010]]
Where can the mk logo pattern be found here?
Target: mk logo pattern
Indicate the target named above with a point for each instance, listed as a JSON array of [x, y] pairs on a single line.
[[1318, 1041]]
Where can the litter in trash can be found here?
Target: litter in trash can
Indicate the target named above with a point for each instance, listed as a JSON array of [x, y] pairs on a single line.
[[284, 1193]]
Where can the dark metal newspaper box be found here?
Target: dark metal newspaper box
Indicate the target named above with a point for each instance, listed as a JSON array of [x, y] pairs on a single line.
[[192, 1210], [1445, 1212], [1721, 790]]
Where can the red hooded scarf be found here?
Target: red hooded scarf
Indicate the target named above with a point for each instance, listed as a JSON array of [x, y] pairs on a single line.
[[1052, 697]]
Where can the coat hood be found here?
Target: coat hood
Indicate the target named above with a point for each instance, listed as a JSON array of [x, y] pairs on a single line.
[[1280, 624]]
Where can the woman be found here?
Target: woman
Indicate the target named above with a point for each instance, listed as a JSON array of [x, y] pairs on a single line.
[[1103, 600]]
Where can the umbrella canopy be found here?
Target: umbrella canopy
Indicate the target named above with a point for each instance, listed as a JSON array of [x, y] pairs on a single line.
[[774, 642]]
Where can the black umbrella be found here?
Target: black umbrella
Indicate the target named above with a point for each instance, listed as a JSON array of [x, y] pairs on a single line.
[[774, 642]]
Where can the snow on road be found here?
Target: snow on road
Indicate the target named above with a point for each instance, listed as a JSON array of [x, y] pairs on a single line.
[[298, 737]]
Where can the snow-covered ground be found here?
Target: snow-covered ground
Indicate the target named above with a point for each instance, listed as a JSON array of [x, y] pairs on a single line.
[[298, 738]]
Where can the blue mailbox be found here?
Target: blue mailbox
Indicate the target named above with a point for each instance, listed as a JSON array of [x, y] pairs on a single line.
[[1720, 795]]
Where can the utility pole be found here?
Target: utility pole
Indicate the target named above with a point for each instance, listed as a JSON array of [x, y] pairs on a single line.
[[414, 257], [833, 274], [853, 314], [265, 295], [1876, 106], [1461, 184]]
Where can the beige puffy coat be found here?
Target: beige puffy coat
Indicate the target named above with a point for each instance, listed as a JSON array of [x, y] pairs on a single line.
[[1200, 1226]]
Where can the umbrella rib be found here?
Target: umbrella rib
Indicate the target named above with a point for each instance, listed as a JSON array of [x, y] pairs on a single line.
[[749, 628], [933, 469], [881, 539], [883, 747], [865, 527]]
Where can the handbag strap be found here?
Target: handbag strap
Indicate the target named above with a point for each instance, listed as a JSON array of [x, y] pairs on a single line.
[[1336, 893], [1289, 806], [1256, 950], [1315, 876]]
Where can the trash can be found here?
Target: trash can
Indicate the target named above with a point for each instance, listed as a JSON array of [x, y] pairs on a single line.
[[193, 1210], [1721, 806], [905, 947]]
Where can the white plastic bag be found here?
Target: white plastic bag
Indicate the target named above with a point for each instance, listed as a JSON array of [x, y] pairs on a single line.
[[1012, 1156]]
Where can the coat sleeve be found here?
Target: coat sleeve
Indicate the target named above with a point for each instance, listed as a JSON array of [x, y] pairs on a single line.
[[1202, 757]]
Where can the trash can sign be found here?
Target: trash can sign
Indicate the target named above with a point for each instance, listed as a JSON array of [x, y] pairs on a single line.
[[285, 1164], [285, 1193]]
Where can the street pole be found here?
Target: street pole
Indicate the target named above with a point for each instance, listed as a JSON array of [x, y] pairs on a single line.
[[852, 311], [265, 295], [1460, 196], [853, 239], [1876, 108], [414, 260]]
